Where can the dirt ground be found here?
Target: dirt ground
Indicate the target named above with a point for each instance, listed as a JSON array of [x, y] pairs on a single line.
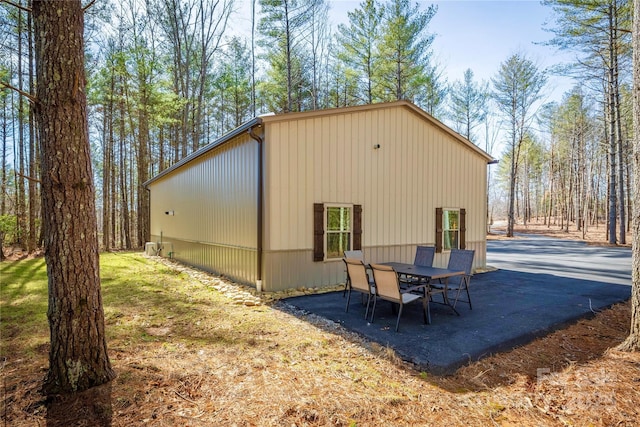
[[570, 377], [592, 234]]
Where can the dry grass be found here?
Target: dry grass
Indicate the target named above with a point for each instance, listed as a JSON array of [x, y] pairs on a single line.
[[225, 364], [592, 234]]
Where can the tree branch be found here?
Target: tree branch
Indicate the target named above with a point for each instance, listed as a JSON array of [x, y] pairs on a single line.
[[84, 9], [27, 95], [28, 178], [19, 6]]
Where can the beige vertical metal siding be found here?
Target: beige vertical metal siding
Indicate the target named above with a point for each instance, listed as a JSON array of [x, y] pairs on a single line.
[[330, 158], [215, 203]]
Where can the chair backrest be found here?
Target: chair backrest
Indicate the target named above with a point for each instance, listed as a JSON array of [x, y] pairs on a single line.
[[357, 274], [354, 254], [461, 259], [424, 256], [386, 279]]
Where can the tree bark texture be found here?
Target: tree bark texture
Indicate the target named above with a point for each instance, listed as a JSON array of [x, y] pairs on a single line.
[[21, 208], [612, 134], [632, 343], [618, 119], [144, 227], [78, 356]]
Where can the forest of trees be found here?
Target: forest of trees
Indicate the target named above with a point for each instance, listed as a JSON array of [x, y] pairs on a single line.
[[166, 77]]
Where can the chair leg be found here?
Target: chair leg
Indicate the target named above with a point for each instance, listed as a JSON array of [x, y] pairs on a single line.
[[399, 314], [425, 304], [373, 310], [366, 313], [466, 288], [468, 297], [348, 299]]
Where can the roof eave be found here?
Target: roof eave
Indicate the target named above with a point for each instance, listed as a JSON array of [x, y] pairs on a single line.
[[245, 127]]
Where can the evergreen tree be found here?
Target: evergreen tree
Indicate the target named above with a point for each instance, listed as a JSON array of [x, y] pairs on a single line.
[[232, 86], [282, 26], [598, 30], [467, 104], [517, 88], [433, 91], [404, 50], [358, 42]]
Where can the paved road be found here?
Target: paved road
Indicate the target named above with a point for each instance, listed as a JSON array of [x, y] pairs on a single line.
[[564, 258]]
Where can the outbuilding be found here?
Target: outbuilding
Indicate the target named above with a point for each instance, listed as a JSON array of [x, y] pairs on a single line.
[[275, 202]]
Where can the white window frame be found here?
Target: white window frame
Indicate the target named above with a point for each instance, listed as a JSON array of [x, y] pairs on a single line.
[[446, 230], [327, 232]]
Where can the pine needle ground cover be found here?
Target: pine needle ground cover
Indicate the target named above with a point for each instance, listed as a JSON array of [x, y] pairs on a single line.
[[191, 349]]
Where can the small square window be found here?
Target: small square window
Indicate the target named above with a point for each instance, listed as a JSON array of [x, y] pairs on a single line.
[[338, 231], [450, 229]]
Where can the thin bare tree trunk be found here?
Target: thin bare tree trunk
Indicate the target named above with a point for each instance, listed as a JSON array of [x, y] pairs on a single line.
[[21, 216], [107, 169], [618, 120], [612, 134], [3, 173], [125, 229], [32, 187]]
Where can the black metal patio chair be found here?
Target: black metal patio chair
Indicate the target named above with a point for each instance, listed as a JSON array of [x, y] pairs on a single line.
[[358, 280], [461, 259], [388, 288]]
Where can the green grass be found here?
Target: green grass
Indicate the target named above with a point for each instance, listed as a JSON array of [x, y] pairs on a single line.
[[23, 305], [142, 301], [136, 294]]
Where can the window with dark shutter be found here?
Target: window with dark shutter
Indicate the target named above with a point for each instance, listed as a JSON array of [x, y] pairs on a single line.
[[463, 228], [336, 228], [438, 230], [357, 227], [450, 229], [318, 232]]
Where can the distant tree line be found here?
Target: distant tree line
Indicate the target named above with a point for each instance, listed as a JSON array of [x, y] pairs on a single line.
[[166, 77], [569, 163]]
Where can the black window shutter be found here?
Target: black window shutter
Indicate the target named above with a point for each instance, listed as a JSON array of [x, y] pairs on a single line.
[[438, 230], [357, 227], [318, 232], [463, 228]]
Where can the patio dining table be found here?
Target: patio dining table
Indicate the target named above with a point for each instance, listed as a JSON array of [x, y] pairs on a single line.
[[429, 274]]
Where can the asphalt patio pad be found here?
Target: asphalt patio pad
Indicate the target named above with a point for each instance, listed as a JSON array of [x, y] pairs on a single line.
[[510, 308]]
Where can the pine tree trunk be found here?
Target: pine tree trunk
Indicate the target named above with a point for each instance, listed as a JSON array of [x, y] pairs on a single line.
[[632, 343], [612, 136], [143, 228], [34, 208], [618, 120], [106, 172], [512, 193], [78, 356], [21, 214], [253, 58], [3, 163], [125, 229]]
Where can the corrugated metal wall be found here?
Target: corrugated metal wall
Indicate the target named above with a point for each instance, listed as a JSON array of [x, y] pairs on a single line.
[[214, 200], [332, 159]]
